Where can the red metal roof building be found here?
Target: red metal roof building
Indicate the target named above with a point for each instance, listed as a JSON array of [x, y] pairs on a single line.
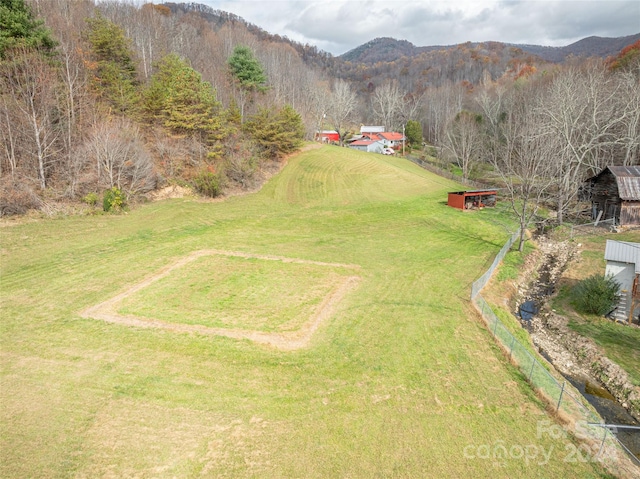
[[393, 136], [468, 200], [327, 136]]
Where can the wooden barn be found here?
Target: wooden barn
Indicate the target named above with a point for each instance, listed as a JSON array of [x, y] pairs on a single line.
[[615, 194], [468, 200]]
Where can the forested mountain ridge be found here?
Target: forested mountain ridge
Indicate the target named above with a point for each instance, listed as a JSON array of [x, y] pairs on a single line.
[[218, 19], [390, 49], [593, 46], [113, 100], [419, 67]]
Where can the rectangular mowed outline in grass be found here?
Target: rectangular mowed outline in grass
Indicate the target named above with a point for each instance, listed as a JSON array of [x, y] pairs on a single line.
[[232, 292], [293, 333]]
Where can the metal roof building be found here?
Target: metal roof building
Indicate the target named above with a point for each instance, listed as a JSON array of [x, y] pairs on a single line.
[[615, 194], [623, 252], [472, 199], [628, 179], [623, 264]]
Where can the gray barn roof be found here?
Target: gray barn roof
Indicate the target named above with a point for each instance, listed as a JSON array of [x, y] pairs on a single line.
[[623, 252], [628, 180]]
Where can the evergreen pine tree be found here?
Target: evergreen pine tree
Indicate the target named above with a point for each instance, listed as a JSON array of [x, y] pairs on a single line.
[[18, 28]]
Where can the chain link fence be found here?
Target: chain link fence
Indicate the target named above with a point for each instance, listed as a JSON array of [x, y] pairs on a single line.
[[585, 424], [597, 227]]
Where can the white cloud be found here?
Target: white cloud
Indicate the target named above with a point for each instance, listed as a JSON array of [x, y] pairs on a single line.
[[337, 26]]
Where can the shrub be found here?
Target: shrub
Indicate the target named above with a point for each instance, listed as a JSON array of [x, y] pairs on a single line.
[[208, 183], [91, 199], [113, 199], [17, 199], [596, 295]]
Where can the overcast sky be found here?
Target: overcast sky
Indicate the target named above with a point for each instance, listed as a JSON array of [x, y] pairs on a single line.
[[337, 26]]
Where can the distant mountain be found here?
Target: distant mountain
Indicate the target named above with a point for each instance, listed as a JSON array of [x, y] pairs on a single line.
[[380, 49], [390, 49], [417, 68], [387, 49], [587, 47]]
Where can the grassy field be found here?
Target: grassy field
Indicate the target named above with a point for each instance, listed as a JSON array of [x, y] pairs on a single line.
[[403, 380], [620, 343], [231, 292]]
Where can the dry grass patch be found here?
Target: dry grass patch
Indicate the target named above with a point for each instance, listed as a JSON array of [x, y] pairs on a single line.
[[139, 439]]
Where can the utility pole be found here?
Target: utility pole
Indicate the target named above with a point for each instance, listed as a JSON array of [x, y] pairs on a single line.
[[403, 139]]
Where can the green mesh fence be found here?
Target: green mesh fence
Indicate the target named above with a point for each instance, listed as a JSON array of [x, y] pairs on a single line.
[[588, 424]]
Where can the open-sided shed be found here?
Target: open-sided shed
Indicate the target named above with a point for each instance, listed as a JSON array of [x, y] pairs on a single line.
[[473, 199]]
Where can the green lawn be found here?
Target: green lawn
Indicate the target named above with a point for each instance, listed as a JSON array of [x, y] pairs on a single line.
[[230, 292], [403, 380]]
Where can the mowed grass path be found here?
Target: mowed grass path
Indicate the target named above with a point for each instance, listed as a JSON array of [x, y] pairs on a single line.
[[400, 382]]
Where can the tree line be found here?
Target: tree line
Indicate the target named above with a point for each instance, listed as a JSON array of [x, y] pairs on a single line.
[[540, 136], [117, 95], [88, 105]]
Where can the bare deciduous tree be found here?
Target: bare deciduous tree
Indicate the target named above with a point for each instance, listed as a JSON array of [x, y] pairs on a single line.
[[120, 158], [318, 101], [8, 134], [388, 104], [441, 104], [523, 157], [411, 106], [31, 83], [462, 141], [342, 103], [581, 111], [629, 132]]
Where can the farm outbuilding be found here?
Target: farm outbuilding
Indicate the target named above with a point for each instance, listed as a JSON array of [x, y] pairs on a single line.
[[615, 195], [468, 200], [623, 265], [328, 136], [368, 129], [371, 146]]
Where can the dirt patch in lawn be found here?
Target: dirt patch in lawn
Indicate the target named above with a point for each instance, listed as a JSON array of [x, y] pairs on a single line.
[[287, 341]]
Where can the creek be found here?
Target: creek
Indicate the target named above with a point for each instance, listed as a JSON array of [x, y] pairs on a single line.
[[532, 302], [610, 410]]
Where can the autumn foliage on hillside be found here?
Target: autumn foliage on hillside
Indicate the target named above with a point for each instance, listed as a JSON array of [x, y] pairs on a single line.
[[627, 58], [114, 97], [110, 95]]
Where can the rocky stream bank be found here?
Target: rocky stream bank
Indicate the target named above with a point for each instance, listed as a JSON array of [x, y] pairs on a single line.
[[573, 355]]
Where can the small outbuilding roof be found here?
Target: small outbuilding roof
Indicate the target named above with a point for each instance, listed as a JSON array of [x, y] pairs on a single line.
[[474, 192], [623, 252], [627, 179], [372, 136], [391, 136], [371, 128], [363, 142]]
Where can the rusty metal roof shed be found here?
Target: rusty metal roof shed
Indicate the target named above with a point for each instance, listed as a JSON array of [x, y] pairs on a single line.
[[623, 252], [627, 179]]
